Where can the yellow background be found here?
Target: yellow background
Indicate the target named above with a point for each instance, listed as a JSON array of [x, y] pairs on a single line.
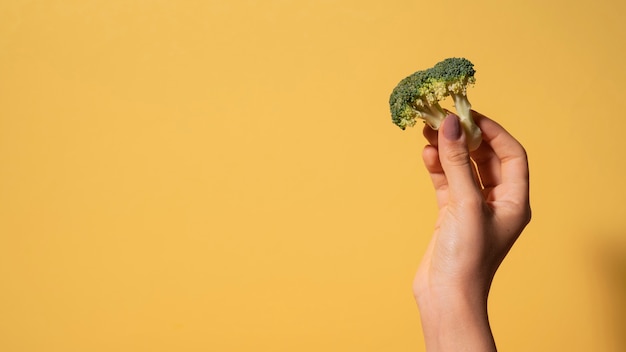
[[224, 175]]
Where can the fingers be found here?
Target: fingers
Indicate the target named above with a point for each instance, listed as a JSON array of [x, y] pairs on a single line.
[[500, 153], [487, 165], [501, 159], [430, 154], [437, 176], [431, 135], [455, 160]]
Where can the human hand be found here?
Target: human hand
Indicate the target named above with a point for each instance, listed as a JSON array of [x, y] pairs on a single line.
[[483, 208]]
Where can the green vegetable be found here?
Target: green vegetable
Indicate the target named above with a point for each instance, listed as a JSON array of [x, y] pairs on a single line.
[[418, 96]]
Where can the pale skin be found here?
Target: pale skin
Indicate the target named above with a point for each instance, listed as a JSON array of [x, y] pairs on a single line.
[[483, 202]]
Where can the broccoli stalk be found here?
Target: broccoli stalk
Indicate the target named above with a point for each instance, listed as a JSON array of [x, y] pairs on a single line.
[[462, 107], [432, 113], [418, 96]]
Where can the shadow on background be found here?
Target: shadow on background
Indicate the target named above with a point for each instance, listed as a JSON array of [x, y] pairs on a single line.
[[612, 265]]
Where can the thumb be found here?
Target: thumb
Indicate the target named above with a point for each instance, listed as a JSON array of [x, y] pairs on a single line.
[[455, 159]]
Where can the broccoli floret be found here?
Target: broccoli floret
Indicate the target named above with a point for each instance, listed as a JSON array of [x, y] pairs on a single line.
[[418, 96], [456, 74]]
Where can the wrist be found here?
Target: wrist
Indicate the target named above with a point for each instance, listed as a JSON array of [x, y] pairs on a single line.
[[432, 288], [455, 319]]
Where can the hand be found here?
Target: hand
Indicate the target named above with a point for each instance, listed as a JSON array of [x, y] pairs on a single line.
[[483, 208]]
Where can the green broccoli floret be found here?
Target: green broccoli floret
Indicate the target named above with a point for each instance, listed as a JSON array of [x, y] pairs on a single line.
[[456, 74], [418, 96]]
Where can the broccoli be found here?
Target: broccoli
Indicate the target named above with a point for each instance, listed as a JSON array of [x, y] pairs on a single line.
[[418, 96]]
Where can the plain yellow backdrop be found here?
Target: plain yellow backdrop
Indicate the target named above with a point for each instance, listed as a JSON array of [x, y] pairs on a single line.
[[224, 175]]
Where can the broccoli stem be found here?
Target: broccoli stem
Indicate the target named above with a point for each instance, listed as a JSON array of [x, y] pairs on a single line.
[[463, 107], [433, 115]]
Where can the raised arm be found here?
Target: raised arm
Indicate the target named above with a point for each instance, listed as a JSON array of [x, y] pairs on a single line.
[[483, 208]]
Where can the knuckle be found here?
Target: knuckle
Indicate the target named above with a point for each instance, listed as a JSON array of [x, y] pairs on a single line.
[[457, 157]]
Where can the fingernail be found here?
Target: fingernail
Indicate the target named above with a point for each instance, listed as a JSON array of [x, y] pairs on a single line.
[[452, 128]]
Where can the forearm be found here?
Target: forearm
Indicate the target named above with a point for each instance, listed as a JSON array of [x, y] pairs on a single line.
[[455, 321]]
